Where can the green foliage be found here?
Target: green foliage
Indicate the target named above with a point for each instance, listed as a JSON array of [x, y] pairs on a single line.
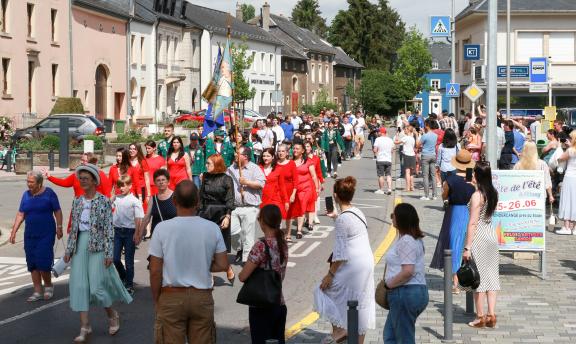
[[67, 105], [132, 135], [414, 61], [306, 14], [248, 12], [242, 62], [375, 91], [98, 144], [51, 142], [156, 137], [370, 33], [322, 101], [192, 124]]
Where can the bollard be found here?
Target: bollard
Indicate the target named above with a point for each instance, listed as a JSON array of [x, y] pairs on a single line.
[[448, 309], [31, 156], [51, 160], [9, 161], [353, 322], [469, 302]]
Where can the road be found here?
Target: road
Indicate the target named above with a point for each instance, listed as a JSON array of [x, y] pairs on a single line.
[[53, 321]]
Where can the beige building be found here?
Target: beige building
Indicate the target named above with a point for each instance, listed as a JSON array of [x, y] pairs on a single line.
[[35, 57]]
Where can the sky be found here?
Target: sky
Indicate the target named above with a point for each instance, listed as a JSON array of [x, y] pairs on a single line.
[[413, 12]]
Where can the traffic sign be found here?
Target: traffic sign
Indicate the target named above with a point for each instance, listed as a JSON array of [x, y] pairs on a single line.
[[515, 71], [471, 51], [538, 87], [473, 92], [440, 26], [550, 113], [538, 69], [453, 90]]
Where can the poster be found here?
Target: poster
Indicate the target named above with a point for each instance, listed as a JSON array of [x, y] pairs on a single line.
[[520, 216]]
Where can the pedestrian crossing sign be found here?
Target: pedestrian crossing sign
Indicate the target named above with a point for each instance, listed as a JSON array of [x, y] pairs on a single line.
[[453, 90], [440, 26]]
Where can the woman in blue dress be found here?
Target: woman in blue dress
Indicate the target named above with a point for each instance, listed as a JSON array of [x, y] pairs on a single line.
[[457, 191], [40, 210]]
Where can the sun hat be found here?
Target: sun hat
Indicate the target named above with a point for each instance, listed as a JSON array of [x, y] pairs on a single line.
[[463, 160], [90, 168]]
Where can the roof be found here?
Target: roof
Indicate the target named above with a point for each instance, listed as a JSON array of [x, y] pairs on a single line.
[[217, 22], [116, 8], [291, 48], [144, 11], [441, 53], [521, 6], [307, 39], [342, 59]]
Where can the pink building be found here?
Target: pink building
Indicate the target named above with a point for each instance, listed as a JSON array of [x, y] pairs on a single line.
[[99, 56], [35, 57]]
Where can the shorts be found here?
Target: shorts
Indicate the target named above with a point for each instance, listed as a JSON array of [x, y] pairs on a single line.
[[410, 162], [359, 138], [383, 168]]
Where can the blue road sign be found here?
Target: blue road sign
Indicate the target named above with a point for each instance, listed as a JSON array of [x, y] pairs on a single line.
[[515, 71], [471, 51], [453, 90], [440, 26], [538, 69]]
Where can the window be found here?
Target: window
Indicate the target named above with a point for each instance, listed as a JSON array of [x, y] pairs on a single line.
[[319, 73], [142, 100], [302, 67], [561, 46], [313, 72], [434, 64], [75, 93], [313, 97], [254, 61], [53, 16], [435, 84], [133, 49], [457, 48], [5, 76], [529, 44], [4, 16], [327, 74], [271, 63], [30, 11], [285, 65], [467, 65], [54, 80], [262, 63], [142, 51]]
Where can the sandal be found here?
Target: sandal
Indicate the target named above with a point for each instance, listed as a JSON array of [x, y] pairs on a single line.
[[34, 297], [288, 239], [83, 336], [298, 235], [48, 292], [114, 324]]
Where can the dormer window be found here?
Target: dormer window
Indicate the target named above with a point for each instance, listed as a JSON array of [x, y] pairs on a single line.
[[434, 64]]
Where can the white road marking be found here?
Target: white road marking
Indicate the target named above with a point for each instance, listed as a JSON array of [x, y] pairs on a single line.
[[14, 277], [22, 286], [34, 311], [304, 253]]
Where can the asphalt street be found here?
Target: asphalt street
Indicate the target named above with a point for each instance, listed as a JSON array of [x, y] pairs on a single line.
[[53, 321]]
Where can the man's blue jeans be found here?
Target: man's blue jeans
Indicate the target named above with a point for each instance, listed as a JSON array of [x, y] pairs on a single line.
[[406, 304], [196, 180], [124, 239]]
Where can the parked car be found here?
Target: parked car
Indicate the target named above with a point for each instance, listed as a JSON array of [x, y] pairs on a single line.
[[79, 125], [249, 116]]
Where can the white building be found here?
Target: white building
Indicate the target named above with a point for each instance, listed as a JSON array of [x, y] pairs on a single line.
[[538, 29], [264, 74]]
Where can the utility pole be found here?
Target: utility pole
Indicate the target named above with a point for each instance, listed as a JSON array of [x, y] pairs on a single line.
[[491, 85], [453, 58], [508, 58]]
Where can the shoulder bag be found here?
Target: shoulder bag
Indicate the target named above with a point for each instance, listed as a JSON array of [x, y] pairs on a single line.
[[264, 286], [381, 294]]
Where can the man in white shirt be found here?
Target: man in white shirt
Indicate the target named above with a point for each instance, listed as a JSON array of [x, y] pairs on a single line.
[[296, 121], [348, 137], [278, 130], [536, 128], [383, 147], [266, 135], [359, 137], [183, 253]]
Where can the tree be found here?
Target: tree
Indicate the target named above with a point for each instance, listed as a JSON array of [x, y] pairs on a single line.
[[242, 61], [370, 33], [307, 15], [322, 101], [376, 93], [248, 12]]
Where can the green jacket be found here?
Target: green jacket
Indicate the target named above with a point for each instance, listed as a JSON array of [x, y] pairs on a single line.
[[324, 141], [251, 146], [199, 162], [227, 152]]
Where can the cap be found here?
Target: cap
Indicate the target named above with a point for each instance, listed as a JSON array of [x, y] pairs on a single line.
[[90, 168], [194, 136], [382, 130], [219, 133]]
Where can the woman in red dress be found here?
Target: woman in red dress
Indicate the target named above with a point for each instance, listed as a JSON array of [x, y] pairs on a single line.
[[311, 154], [142, 173], [122, 168], [155, 162], [287, 168], [178, 163], [306, 188], [274, 191]]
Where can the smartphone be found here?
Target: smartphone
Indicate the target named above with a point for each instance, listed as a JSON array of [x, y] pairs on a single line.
[[469, 172], [329, 204]]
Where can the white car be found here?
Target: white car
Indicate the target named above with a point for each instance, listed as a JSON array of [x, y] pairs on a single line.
[[251, 115]]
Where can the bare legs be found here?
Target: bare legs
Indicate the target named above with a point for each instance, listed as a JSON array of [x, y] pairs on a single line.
[[409, 180], [38, 277], [479, 300]]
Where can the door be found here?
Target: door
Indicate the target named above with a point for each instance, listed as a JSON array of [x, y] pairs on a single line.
[[100, 94], [294, 101], [118, 103], [435, 105]]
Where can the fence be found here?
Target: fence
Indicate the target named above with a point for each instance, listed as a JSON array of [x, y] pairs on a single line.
[[24, 120]]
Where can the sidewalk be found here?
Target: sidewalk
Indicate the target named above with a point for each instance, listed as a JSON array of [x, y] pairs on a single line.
[[529, 309], [11, 176]]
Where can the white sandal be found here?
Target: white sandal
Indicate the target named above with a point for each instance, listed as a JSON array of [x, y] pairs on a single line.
[[48, 293], [34, 297], [114, 324], [83, 336]]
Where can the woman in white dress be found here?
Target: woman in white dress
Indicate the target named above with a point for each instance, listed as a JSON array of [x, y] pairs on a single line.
[[567, 208], [351, 273]]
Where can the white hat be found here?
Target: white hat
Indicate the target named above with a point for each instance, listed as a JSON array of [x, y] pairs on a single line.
[[90, 168]]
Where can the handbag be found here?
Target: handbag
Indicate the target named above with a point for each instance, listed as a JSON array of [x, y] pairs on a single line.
[[381, 294], [468, 275], [264, 286], [60, 266]]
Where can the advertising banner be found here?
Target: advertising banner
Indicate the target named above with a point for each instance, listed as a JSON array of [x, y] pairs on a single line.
[[520, 217]]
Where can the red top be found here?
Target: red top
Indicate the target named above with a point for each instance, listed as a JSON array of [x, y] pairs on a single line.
[[114, 175], [288, 171], [178, 172], [316, 160], [138, 181], [71, 181], [274, 191], [154, 164], [304, 181], [440, 134]]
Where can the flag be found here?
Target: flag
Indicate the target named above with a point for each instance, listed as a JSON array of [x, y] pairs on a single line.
[[224, 83], [209, 95]]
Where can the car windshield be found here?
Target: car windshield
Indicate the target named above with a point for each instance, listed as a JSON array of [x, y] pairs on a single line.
[[96, 121]]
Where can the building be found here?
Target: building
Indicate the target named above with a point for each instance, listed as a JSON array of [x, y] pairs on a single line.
[[347, 74], [434, 98], [263, 75], [319, 71], [99, 56], [538, 29], [35, 57]]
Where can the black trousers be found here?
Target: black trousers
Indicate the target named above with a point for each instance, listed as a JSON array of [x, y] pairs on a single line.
[[332, 158], [267, 323]]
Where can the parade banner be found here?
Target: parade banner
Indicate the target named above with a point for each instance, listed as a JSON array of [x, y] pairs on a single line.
[[520, 216]]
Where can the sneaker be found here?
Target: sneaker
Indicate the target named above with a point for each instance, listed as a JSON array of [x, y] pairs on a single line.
[[339, 165], [389, 192], [434, 197], [424, 198], [563, 231], [379, 192], [335, 175], [130, 290]]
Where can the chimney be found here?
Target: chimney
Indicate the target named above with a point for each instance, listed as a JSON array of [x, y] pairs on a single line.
[[266, 16], [239, 15]]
